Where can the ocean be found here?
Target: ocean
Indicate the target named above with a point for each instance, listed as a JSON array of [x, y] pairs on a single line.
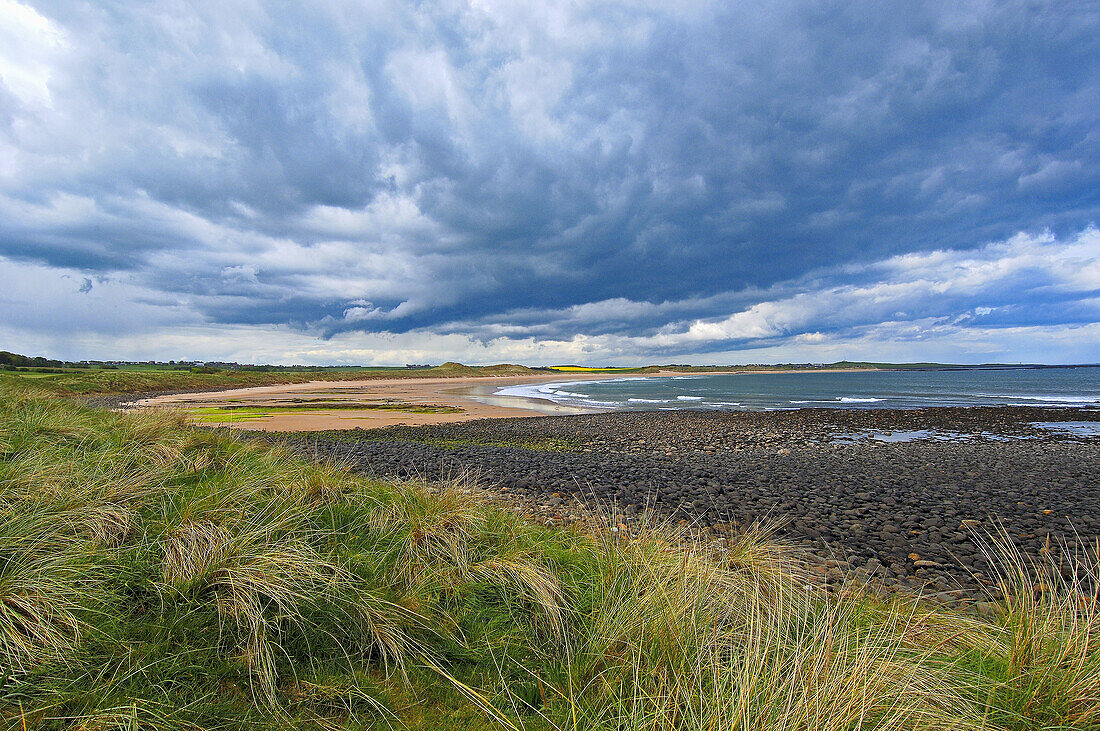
[[1075, 386]]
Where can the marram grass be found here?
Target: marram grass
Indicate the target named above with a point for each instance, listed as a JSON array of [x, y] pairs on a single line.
[[158, 576]]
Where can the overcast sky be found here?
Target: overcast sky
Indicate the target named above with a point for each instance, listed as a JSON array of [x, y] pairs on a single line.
[[552, 182]]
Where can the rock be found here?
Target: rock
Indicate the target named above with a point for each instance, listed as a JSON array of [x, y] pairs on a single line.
[[988, 609], [865, 501]]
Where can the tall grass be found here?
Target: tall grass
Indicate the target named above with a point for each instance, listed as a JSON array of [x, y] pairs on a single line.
[[682, 636], [41, 573], [1050, 638], [153, 574]]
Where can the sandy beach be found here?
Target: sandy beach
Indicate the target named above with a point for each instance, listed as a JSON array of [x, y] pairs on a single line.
[[383, 402]]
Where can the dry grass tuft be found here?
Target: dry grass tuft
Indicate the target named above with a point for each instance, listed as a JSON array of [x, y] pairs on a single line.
[[40, 575], [531, 582], [1050, 631], [433, 531], [263, 574], [684, 637], [447, 537], [256, 577]]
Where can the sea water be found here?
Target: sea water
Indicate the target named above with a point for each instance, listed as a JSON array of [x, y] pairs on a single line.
[[1075, 386]]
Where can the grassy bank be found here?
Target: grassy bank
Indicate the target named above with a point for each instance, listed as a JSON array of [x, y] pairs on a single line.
[[111, 382], [158, 576]]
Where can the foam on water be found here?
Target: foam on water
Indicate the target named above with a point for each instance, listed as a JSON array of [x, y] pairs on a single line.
[[1054, 387], [1056, 399], [839, 400], [556, 393]]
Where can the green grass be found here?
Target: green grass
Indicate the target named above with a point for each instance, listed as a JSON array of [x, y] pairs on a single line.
[[318, 405], [215, 415], [100, 382], [586, 369], [230, 414], [156, 576]]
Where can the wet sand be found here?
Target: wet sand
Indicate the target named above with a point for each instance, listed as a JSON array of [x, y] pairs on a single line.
[[474, 396]]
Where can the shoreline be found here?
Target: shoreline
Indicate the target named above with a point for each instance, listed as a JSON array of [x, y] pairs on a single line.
[[473, 395], [381, 403]]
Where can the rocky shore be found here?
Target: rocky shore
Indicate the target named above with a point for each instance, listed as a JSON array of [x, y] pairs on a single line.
[[898, 497]]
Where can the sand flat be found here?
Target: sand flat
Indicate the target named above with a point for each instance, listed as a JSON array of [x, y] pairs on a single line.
[[471, 394]]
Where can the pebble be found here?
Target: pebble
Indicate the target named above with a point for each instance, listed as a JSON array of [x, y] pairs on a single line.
[[910, 506]]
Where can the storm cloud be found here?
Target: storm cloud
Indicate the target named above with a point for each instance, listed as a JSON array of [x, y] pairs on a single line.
[[373, 182]]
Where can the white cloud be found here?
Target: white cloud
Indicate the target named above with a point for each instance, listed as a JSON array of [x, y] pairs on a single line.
[[630, 179], [29, 47], [930, 282], [934, 306]]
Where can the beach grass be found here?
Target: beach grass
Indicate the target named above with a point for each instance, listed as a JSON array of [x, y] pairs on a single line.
[[156, 575], [585, 369]]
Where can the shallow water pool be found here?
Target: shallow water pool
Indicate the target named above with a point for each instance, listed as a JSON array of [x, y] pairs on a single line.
[[1076, 428]]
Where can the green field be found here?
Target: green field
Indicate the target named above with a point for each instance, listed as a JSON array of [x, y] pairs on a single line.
[[155, 575], [585, 369], [143, 378], [140, 379]]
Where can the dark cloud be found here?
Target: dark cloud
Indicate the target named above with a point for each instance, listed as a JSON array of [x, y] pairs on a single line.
[[551, 171]]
